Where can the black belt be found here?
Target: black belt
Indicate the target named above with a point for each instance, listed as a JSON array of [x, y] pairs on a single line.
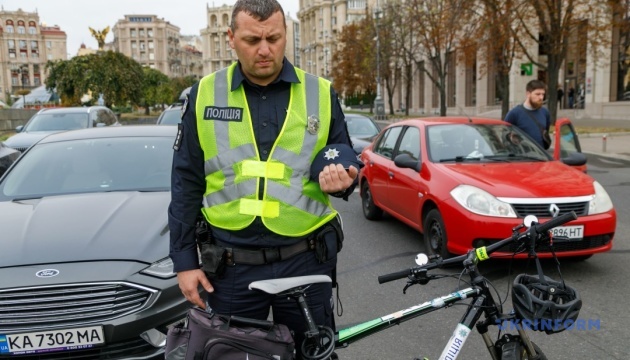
[[267, 255]]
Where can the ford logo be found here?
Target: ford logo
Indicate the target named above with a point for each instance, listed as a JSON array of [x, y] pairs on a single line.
[[46, 273]]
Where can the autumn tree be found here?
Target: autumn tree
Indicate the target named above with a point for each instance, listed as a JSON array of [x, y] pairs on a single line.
[[497, 38], [551, 25], [352, 65], [440, 26]]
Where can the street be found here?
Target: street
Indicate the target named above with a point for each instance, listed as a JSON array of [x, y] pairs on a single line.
[[374, 248]]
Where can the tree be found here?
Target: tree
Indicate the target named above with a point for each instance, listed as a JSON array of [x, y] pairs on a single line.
[[156, 89], [440, 26], [497, 33], [552, 25], [352, 67], [117, 77]]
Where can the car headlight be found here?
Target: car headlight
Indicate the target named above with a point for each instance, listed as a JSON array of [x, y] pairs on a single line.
[[481, 202], [601, 201], [161, 268]]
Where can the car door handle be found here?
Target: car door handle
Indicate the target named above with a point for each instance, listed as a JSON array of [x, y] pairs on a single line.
[[391, 174]]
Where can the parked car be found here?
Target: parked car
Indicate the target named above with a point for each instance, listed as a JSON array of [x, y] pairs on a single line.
[[7, 157], [362, 130], [170, 116], [85, 243], [51, 120], [465, 183]]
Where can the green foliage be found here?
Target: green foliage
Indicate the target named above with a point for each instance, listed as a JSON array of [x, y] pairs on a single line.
[[120, 79], [157, 89]]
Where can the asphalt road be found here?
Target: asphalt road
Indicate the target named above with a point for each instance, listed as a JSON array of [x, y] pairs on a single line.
[[374, 248]]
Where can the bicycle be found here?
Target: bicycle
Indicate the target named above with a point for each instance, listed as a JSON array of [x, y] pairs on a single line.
[[553, 301]]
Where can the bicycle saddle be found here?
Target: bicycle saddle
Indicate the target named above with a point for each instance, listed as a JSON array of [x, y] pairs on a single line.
[[275, 286]]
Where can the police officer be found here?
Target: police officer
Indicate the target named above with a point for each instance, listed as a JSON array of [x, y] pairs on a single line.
[[248, 135]]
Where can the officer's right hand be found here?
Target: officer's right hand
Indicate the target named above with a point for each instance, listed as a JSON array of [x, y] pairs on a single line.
[[189, 281]]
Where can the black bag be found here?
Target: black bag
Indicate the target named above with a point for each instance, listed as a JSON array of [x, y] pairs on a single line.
[[546, 139], [209, 336]]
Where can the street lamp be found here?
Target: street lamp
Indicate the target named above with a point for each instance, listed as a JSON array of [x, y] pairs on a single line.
[[23, 72], [378, 102]]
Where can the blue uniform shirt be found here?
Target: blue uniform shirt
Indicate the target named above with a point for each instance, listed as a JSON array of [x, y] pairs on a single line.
[[268, 106]]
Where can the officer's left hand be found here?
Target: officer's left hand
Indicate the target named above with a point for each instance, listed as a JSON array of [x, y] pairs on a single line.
[[334, 178]]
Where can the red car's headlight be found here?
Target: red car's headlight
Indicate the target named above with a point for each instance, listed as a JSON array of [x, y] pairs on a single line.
[[481, 202]]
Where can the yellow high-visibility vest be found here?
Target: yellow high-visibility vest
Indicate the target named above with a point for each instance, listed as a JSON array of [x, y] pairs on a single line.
[[291, 204]]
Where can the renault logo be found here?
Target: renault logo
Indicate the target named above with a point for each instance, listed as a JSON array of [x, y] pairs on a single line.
[[554, 210]]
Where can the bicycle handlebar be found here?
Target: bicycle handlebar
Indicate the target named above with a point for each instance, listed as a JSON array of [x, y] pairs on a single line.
[[531, 233]]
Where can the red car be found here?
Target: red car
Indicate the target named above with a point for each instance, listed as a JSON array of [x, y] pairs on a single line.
[[467, 182]]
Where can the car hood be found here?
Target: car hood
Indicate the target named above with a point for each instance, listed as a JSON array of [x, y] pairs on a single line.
[[85, 227], [523, 180], [26, 139]]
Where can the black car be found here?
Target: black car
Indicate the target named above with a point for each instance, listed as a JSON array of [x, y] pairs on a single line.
[[84, 266], [170, 116], [362, 130]]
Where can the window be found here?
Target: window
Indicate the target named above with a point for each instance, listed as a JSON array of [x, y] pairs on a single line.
[[21, 29], [410, 143], [386, 144], [133, 32], [10, 29], [134, 45], [151, 56], [48, 45], [150, 32], [32, 30], [141, 33], [22, 44], [34, 45], [357, 4], [11, 44]]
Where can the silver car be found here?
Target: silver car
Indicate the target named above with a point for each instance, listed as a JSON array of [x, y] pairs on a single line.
[[51, 120]]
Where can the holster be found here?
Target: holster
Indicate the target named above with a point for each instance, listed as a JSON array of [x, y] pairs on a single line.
[[213, 256], [328, 240]]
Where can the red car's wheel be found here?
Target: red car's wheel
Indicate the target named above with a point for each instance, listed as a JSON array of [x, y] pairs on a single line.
[[370, 210], [435, 239]]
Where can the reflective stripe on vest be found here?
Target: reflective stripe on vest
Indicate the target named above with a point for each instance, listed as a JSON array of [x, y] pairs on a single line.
[[291, 205]]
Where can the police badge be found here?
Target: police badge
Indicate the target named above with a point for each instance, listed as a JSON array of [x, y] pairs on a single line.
[[312, 124]]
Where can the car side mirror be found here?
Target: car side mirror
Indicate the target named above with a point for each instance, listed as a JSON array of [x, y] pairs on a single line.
[[19, 128], [574, 159], [405, 161]]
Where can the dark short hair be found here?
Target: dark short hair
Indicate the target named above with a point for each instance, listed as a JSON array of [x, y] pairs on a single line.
[[535, 85], [259, 9]]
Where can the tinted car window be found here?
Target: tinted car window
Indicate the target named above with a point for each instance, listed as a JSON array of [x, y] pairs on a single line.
[[170, 117], [386, 145], [91, 165]]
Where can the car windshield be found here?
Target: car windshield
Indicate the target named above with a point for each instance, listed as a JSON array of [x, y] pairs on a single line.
[[58, 121], [170, 117], [91, 165], [360, 126], [482, 142]]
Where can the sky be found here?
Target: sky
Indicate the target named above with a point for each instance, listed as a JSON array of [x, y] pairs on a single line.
[[75, 16]]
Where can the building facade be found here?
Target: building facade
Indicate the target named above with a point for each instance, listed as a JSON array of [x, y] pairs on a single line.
[[156, 43], [25, 47]]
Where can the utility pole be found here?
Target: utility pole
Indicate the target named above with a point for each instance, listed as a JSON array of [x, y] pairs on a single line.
[[378, 102]]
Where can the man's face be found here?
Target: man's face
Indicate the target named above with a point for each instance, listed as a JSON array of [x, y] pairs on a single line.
[[260, 46], [536, 98]]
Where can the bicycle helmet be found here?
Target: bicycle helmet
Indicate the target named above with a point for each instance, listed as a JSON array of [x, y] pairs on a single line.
[[546, 304]]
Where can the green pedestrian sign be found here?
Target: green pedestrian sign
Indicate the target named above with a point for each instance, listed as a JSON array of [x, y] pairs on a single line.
[[527, 69]]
